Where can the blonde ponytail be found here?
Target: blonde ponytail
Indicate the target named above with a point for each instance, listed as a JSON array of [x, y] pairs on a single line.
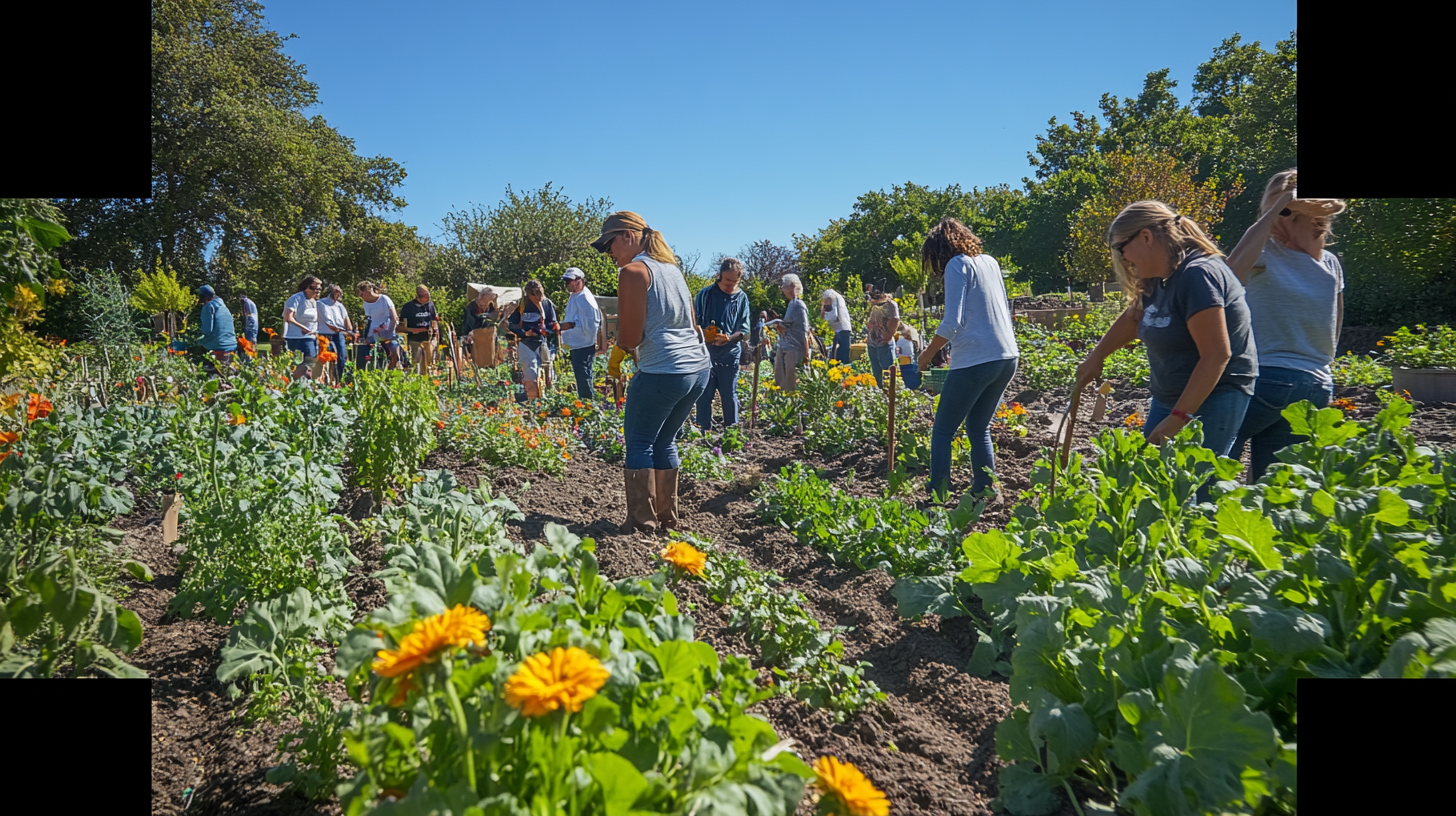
[[656, 246]]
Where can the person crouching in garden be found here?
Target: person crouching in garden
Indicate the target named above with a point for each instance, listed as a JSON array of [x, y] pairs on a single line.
[[722, 308], [655, 319], [835, 312], [977, 328], [1189, 310], [907, 354], [1296, 293], [532, 320], [300, 325], [217, 330], [582, 331], [793, 335]]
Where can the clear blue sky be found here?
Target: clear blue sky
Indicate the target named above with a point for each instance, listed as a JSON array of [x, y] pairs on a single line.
[[726, 123]]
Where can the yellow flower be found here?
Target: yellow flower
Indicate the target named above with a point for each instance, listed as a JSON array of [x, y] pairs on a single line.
[[686, 556], [836, 374], [453, 628], [818, 364], [564, 678], [857, 794]]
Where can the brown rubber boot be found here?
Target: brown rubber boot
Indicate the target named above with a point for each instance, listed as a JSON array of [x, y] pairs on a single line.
[[641, 514], [667, 500]]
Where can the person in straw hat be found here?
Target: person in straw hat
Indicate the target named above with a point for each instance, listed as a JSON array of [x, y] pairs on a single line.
[[655, 320]]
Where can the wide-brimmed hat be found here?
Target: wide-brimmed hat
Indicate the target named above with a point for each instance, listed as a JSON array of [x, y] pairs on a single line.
[[618, 222]]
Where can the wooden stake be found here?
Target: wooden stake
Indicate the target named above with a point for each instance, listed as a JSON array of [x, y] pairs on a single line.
[[753, 407], [893, 367], [1099, 408], [171, 505]]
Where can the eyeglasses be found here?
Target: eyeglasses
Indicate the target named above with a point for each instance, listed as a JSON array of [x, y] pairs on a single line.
[[1120, 244]]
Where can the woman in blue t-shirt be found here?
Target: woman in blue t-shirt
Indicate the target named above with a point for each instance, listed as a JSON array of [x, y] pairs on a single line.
[[1189, 310], [1296, 298]]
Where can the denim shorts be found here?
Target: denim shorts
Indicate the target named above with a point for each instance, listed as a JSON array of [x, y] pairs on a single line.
[[307, 345]]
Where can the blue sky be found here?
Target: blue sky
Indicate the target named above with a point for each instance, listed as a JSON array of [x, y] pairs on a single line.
[[723, 124]]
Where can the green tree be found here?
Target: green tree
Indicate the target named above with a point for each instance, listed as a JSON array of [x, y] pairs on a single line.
[[246, 188], [1133, 177], [159, 293], [1399, 259], [524, 232]]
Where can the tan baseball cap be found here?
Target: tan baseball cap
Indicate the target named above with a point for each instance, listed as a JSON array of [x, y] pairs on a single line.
[[617, 222]]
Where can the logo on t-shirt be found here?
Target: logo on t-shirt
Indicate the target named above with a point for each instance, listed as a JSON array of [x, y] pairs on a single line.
[[1155, 322]]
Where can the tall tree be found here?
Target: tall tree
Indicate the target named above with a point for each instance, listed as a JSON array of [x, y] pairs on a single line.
[[524, 232], [244, 184]]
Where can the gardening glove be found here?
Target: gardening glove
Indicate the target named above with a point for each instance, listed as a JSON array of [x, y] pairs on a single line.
[[614, 363]]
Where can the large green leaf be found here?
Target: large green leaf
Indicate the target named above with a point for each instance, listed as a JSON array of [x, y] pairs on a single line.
[[621, 782], [991, 554], [1065, 730], [1208, 737], [917, 596], [1250, 532]]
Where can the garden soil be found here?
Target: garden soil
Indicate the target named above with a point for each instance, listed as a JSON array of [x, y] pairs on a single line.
[[930, 746]]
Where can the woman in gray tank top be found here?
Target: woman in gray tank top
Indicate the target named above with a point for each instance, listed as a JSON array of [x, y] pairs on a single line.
[[655, 323]]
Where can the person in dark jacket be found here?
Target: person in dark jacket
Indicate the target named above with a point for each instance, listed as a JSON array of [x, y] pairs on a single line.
[[532, 322]]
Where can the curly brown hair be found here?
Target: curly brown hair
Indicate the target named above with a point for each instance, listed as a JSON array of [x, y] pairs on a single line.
[[946, 240]]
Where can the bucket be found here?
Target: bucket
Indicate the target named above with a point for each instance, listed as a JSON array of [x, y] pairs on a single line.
[[856, 351], [933, 379], [483, 350]]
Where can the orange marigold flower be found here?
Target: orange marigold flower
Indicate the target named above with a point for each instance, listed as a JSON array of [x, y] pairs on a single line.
[[839, 404], [566, 412], [327, 357], [686, 556], [237, 419], [477, 406], [6, 454], [8, 402], [9, 438], [566, 456], [854, 791], [564, 678], [454, 628], [1134, 421], [1344, 404], [37, 407], [270, 332], [439, 424], [435, 381], [323, 343]]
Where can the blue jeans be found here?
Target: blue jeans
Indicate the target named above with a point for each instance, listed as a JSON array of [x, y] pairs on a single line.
[[250, 330], [581, 366], [1221, 414], [657, 404], [842, 340], [910, 373], [723, 381], [881, 358], [969, 397], [1264, 425]]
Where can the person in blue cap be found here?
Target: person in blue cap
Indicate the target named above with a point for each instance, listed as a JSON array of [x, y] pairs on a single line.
[[217, 327]]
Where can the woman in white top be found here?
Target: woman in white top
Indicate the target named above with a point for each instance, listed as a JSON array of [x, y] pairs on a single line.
[[977, 327], [907, 342], [836, 313], [300, 324], [1295, 289], [382, 321]]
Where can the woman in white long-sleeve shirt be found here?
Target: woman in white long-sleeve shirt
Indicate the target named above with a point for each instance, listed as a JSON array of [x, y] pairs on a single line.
[[836, 313], [977, 327]]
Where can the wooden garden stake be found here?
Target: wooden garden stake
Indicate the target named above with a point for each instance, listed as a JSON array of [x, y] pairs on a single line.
[[753, 405], [890, 468], [171, 505]]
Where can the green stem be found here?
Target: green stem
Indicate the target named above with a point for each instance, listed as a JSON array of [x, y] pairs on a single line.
[[1072, 797], [212, 458], [459, 712]]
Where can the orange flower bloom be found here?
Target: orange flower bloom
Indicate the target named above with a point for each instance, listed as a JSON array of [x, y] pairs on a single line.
[[439, 424], [270, 332], [566, 412], [477, 406], [1344, 404], [237, 419], [9, 438], [327, 357], [435, 381], [839, 404], [686, 556], [6, 454], [562, 678], [37, 407], [849, 785], [578, 403], [323, 343], [452, 629]]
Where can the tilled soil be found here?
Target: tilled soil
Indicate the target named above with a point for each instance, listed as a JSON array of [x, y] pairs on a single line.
[[930, 746]]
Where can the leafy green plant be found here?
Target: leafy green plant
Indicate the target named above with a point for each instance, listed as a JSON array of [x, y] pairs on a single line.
[[397, 413], [1358, 369], [160, 293], [1422, 348]]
